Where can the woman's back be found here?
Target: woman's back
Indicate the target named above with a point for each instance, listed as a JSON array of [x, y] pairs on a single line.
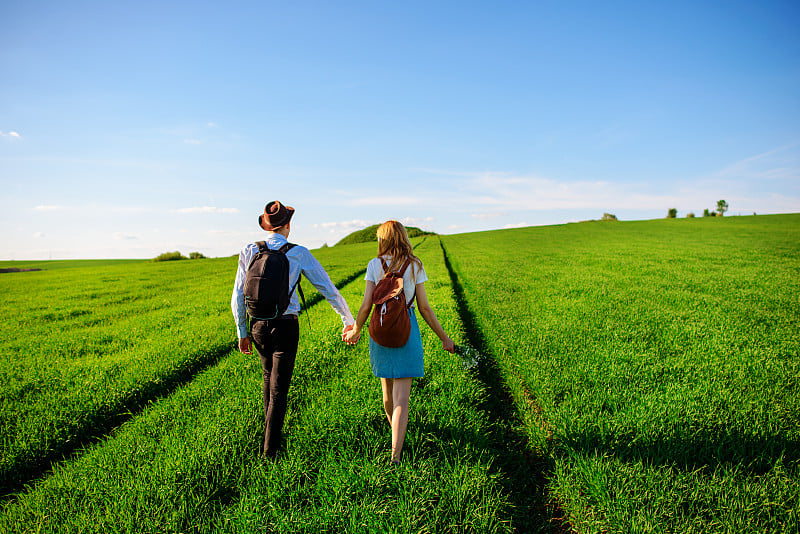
[[415, 274]]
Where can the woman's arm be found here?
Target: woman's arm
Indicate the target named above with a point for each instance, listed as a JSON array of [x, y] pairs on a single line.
[[353, 335], [430, 317]]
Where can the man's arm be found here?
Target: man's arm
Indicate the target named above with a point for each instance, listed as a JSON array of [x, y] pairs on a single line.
[[237, 302], [354, 335], [316, 274]]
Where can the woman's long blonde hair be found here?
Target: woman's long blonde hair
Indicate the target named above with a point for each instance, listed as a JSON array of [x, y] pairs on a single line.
[[393, 241]]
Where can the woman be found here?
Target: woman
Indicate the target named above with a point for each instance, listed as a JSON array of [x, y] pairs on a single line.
[[397, 366]]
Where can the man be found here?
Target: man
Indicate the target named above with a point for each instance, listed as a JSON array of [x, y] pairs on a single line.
[[276, 340]]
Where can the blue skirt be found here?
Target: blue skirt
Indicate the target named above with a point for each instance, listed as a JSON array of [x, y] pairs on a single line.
[[401, 362]]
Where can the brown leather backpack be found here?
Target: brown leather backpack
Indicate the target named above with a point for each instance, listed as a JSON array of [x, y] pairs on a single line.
[[389, 325]]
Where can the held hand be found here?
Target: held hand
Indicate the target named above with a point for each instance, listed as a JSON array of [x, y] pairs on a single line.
[[352, 337], [345, 330], [244, 345], [448, 345]]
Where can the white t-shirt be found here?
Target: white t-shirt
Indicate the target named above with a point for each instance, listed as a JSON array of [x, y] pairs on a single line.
[[375, 273]]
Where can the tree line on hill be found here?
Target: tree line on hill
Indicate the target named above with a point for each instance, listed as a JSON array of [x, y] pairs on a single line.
[[173, 256], [722, 207]]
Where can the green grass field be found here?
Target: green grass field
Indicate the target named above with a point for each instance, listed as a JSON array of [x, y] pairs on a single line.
[[633, 377], [657, 364]]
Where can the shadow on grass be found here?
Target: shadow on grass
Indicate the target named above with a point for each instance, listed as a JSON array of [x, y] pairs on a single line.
[[706, 448], [95, 428], [523, 472], [689, 449]]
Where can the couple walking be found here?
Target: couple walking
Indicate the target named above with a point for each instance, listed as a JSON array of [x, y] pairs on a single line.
[[275, 341]]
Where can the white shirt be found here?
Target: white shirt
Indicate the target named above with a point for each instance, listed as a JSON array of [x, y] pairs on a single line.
[[300, 260], [414, 275]]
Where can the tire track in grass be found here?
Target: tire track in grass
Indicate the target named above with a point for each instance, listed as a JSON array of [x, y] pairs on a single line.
[[525, 471], [97, 427], [157, 471]]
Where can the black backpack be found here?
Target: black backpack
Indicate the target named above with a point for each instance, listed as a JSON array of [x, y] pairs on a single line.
[[266, 284]]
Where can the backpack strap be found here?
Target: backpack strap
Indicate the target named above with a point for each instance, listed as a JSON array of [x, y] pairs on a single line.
[[262, 248], [284, 249], [402, 272]]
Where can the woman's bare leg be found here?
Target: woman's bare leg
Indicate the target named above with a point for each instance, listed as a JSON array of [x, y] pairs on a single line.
[[401, 391], [388, 403]]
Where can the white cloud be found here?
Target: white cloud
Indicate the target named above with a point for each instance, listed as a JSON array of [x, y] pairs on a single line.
[[358, 224], [416, 221], [768, 182], [119, 236], [483, 216], [127, 210], [39, 235], [226, 233], [331, 232], [781, 163], [14, 135], [93, 209], [391, 201], [342, 225], [487, 196], [511, 193], [206, 209], [516, 225]]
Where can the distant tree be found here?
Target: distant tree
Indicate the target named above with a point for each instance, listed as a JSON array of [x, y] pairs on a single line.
[[609, 217], [196, 256], [324, 245], [707, 213], [722, 207], [690, 215], [170, 256], [672, 213]]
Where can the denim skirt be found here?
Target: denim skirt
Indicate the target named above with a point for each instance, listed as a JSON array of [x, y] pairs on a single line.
[[401, 362]]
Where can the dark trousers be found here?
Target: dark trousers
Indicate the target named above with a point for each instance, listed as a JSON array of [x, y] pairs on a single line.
[[276, 343]]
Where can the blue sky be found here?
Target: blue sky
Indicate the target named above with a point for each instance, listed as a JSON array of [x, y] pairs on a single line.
[[128, 129]]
